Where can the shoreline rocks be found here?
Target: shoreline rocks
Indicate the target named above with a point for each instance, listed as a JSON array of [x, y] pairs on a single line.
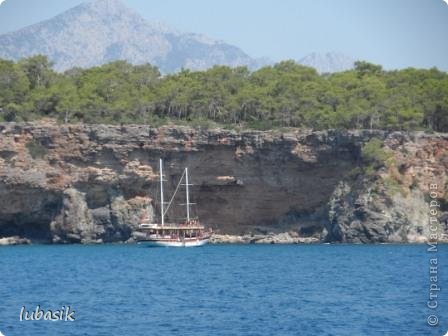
[[7, 241], [271, 238]]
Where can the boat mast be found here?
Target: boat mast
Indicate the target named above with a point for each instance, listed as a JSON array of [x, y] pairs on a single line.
[[162, 213], [188, 194]]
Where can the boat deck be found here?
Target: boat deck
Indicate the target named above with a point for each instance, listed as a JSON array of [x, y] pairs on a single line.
[[172, 227]]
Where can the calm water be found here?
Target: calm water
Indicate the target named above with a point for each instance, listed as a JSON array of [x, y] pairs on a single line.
[[222, 290]]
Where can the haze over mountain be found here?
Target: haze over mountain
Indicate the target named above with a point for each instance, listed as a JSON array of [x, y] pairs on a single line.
[[98, 32], [102, 31], [328, 62]]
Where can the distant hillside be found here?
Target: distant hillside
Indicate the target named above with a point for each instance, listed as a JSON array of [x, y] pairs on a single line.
[[329, 62], [98, 32]]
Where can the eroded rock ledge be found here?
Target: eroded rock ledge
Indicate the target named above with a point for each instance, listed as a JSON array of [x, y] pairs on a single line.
[[93, 183]]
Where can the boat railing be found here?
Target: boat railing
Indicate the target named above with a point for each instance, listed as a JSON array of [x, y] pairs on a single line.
[[148, 226]]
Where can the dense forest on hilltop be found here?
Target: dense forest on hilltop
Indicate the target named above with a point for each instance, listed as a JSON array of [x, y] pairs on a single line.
[[283, 95]]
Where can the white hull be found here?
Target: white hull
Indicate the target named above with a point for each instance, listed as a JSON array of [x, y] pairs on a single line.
[[188, 233], [166, 243]]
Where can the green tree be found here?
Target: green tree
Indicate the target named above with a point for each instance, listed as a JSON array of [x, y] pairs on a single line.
[[14, 88], [363, 68], [38, 69]]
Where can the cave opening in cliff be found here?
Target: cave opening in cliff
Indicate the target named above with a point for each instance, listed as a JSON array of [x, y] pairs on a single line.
[[28, 213], [35, 229]]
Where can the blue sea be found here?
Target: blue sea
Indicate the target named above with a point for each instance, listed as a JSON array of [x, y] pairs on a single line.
[[223, 290]]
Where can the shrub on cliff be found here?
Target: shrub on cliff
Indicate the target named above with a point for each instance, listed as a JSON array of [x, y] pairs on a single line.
[[374, 156], [36, 149]]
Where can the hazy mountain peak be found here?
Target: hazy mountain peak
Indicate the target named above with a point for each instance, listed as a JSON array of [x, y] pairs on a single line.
[[101, 31], [328, 62], [105, 11], [103, 6]]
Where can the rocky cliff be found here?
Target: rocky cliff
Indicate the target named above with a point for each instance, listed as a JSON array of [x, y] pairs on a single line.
[[393, 203], [81, 183]]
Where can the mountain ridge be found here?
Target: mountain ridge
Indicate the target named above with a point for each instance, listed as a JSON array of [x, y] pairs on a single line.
[[101, 31], [94, 33], [328, 62]]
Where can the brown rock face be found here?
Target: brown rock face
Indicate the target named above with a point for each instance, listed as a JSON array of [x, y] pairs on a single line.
[[396, 206], [79, 183]]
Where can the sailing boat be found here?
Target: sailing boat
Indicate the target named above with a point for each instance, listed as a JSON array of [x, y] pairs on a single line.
[[189, 233]]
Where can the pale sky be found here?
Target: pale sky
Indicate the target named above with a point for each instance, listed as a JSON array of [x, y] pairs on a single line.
[[394, 33]]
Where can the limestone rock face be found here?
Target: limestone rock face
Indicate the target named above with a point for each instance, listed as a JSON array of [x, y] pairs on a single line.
[[394, 207], [75, 221], [92, 184]]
